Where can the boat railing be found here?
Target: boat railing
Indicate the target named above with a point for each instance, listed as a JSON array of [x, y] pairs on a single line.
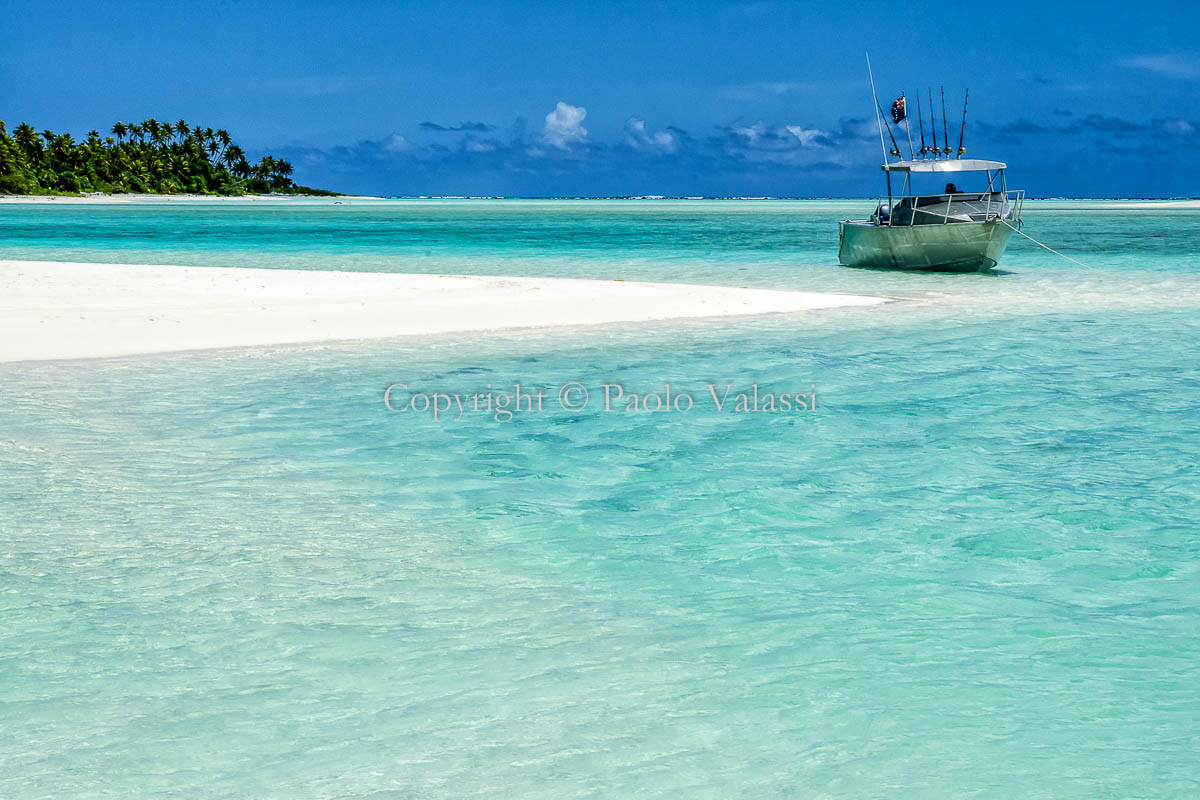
[[949, 208]]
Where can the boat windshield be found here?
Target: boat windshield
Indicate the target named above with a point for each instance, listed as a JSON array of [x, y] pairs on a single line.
[[967, 182], [938, 209]]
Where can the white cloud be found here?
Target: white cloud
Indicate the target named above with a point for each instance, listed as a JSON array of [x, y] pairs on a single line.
[[1178, 127], [752, 133], [786, 137], [792, 145], [637, 137], [564, 126], [806, 136], [397, 144], [750, 92], [309, 86], [1185, 66]]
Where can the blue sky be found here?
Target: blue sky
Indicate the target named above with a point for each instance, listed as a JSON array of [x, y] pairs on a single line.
[[697, 98]]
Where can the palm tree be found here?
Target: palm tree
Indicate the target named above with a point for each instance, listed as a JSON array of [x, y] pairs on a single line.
[[265, 168], [27, 138], [62, 147], [119, 130], [153, 129], [8, 160], [233, 155], [183, 128]]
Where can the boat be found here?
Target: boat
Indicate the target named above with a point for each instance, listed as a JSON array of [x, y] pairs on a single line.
[[950, 230]]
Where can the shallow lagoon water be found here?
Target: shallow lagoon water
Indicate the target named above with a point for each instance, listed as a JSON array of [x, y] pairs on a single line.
[[972, 571]]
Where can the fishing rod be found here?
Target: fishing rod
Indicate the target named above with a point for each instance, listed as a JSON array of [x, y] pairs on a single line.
[[945, 135], [878, 111], [895, 147], [907, 129], [921, 124], [932, 123], [963, 126], [878, 114]]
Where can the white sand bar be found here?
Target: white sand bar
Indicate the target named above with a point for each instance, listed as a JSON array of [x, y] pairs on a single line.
[[1166, 205], [54, 310]]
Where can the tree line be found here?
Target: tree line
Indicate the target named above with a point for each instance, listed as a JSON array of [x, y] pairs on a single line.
[[150, 156]]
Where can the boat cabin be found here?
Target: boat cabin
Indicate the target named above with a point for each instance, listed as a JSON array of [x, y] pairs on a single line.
[[991, 201]]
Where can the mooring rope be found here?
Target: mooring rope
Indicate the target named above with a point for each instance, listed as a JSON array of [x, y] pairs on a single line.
[[1067, 257]]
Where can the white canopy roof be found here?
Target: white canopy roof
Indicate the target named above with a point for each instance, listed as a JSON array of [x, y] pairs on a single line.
[[945, 165]]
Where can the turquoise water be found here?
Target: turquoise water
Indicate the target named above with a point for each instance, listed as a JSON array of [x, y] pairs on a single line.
[[973, 570]]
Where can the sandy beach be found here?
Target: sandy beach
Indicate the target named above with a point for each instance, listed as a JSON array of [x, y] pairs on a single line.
[[126, 199], [59, 310]]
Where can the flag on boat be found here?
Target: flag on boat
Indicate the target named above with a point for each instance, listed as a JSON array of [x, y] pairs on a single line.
[[898, 110]]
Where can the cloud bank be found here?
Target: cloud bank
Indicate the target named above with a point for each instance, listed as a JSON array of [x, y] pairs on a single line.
[[739, 158], [1184, 66], [475, 127]]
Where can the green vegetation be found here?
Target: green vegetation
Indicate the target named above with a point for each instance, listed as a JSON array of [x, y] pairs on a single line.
[[152, 156]]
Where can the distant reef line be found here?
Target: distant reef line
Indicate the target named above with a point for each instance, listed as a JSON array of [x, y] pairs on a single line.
[[148, 157]]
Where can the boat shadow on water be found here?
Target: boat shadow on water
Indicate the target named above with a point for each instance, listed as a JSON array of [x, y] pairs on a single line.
[[989, 272]]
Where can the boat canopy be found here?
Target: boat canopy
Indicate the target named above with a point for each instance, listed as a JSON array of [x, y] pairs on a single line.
[[946, 165]]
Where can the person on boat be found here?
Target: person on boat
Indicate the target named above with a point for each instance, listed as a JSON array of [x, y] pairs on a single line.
[[951, 188]]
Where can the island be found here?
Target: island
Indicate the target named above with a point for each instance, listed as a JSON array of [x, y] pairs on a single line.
[[149, 157]]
